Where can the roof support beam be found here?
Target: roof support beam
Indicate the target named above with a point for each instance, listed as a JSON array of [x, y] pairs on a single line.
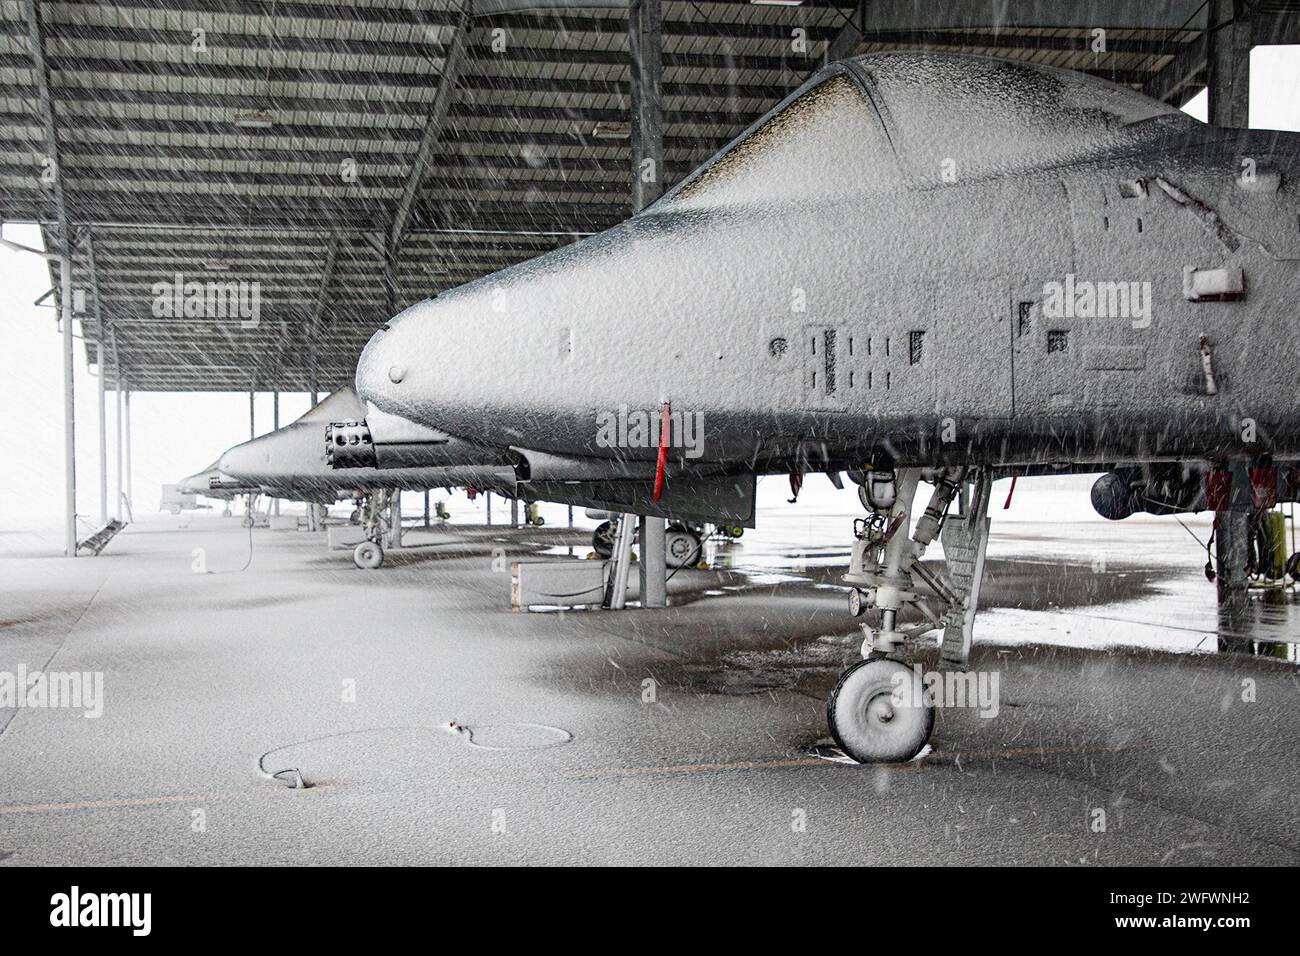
[[388, 267], [1178, 72], [433, 127], [318, 312], [1032, 14]]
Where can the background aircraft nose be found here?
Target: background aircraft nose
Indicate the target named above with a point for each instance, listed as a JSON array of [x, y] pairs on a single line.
[[236, 462]]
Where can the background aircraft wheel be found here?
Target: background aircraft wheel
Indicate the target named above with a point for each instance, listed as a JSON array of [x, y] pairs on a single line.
[[1293, 566], [368, 556], [602, 539], [737, 532], [856, 603], [538, 521], [682, 548], [877, 714], [355, 517]]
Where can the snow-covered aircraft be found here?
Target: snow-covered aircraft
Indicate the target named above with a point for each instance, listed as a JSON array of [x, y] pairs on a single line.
[[201, 483], [293, 462], [917, 267]]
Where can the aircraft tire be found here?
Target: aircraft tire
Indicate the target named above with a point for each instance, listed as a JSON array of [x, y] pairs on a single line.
[[682, 548], [602, 539], [866, 720], [368, 556]]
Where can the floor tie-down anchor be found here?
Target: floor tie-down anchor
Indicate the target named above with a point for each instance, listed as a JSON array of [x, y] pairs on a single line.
[[879, 710]]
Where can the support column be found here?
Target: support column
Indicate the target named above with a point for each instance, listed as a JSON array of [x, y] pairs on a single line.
[[252, 418], [426, 509], [275, 426], [1228, 43], [514, 512], [488, 496], [103, 436], [645, 42], [130, 499], [653, 569], [117, 436], [1231, 550], [69, 405], [395, 514]]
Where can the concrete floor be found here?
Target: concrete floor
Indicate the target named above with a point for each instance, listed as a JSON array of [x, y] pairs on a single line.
[[205, 672]]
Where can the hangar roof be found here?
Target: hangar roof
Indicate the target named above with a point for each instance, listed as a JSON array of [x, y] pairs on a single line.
[[286, 144]]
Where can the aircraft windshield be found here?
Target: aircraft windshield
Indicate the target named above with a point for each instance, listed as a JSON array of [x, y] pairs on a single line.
[[826, 144]]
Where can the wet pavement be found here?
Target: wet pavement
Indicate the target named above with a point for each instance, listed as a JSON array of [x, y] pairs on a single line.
[[1123, 732]]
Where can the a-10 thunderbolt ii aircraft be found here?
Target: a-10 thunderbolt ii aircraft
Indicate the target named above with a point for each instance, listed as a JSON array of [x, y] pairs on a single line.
[[291, 462], [918, 266], [201, 483]]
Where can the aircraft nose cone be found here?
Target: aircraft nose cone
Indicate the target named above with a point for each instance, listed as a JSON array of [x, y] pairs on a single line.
[[234, 463], [383, 372]]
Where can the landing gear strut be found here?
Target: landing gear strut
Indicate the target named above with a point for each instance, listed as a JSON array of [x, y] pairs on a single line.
[[878, 711], [369, 554]]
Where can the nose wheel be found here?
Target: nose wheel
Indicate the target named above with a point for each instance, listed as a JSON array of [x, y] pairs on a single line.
[[878, 712], [368, 556]]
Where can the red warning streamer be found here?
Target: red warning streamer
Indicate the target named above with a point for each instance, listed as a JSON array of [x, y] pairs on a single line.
[[662, 463]]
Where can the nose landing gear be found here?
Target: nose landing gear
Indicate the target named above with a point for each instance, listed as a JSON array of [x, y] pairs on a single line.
[[879, 710], [373, 517], [368, 555]]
